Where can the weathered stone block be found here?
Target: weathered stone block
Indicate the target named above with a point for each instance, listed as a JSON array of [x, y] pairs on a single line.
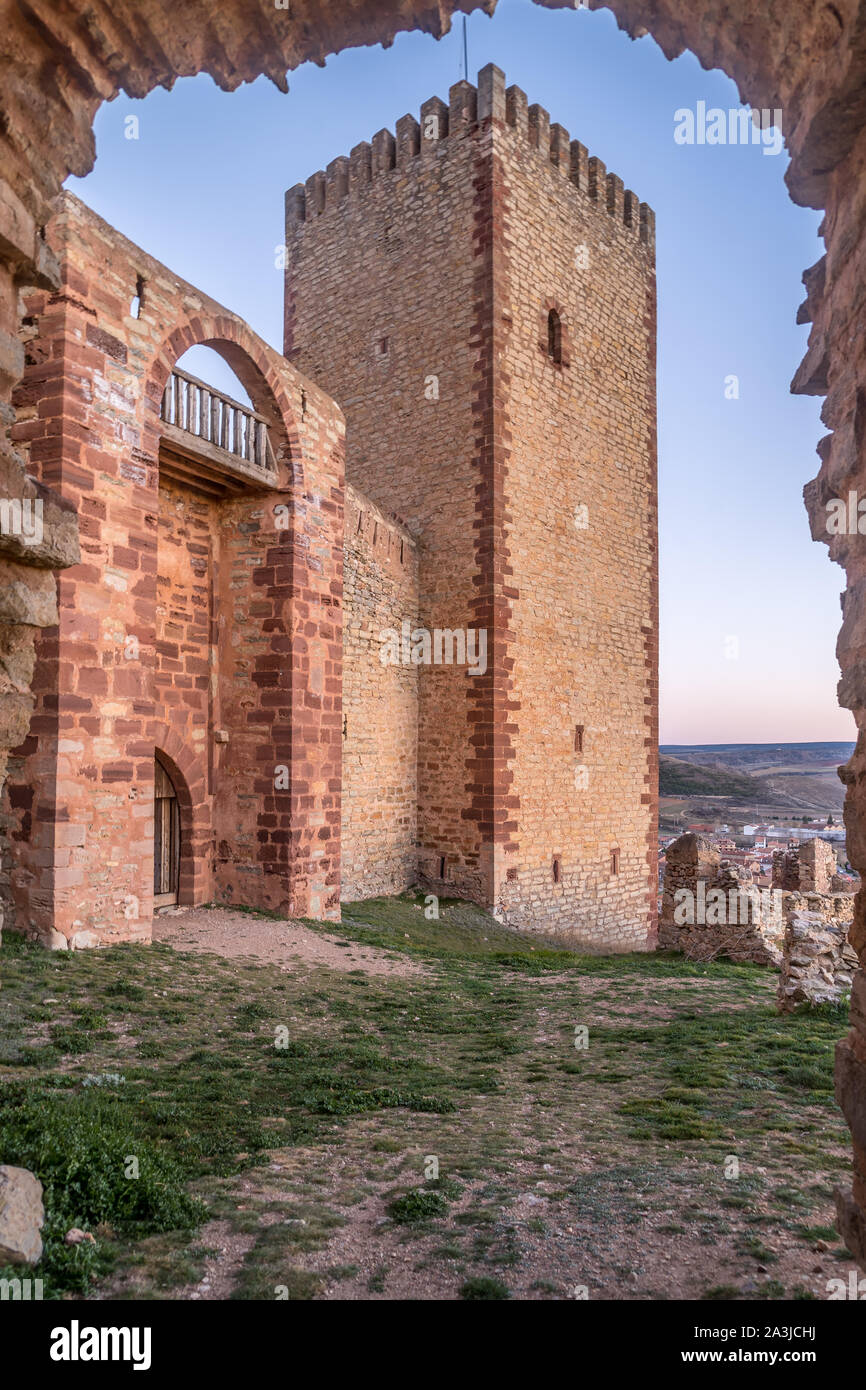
[[21, 1216], [851, 1219], [27, 596], [851, 1089]]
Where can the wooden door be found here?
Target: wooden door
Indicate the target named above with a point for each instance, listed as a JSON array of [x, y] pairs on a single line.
[[166, 839]]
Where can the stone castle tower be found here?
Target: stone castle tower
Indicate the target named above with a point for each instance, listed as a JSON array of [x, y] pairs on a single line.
[[478, 295]]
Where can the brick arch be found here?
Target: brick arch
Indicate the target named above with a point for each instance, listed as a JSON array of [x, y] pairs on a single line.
[[243, 352], [188, 779]]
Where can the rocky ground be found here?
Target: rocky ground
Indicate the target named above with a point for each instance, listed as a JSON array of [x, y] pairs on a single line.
[[399, 1108]]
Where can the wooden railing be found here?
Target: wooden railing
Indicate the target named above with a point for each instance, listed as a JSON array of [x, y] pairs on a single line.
[[193, 406]]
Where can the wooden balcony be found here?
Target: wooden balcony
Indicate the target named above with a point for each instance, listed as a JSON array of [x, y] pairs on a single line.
[[211, 442]]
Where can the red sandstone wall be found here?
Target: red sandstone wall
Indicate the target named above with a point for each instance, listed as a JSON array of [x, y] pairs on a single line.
[[380, 705], [278, 669], [139, 660], [187, 554]]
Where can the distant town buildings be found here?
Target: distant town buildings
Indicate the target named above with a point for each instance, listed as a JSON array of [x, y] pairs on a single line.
[[754, 848]]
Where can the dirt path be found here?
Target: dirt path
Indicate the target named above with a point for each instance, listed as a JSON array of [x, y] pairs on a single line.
[[442, 1135], [286, 944]]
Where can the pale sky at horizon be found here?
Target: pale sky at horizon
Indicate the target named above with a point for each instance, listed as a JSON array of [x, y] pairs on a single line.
[[749, 603]]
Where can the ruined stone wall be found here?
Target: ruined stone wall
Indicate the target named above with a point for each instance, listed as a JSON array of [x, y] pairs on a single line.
[[380, 704], [689, 860], [819, 962], [786, 869], [711, 908], [419, 278], [809, 867], [817, 866], [28, 553], [835, 365], [132, 667]]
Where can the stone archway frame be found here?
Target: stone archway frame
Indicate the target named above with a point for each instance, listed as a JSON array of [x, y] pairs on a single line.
[[805, 57]]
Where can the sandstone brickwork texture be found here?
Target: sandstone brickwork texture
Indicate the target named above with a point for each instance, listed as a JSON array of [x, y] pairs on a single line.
[[380, 704], [806, 58], [384, 282], [201, 629], [817, 866], [422, 271]]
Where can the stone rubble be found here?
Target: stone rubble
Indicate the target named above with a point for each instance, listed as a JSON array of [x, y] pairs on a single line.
[[800, 927], [819, 962]]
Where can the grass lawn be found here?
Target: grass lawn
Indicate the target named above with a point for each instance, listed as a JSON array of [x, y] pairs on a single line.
[[225, 1129]]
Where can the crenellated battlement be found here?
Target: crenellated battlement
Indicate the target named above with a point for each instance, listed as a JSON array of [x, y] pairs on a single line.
[[467, 109]]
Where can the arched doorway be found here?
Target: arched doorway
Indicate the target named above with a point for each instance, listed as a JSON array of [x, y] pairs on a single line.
[[166, 838]]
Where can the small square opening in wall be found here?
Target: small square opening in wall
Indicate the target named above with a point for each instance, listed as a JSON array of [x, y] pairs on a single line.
[[614, 861], [511, 875], [557, 868], [578, 738]]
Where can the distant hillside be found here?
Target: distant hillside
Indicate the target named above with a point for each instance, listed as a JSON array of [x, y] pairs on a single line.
[[679, 778], [751, 757]]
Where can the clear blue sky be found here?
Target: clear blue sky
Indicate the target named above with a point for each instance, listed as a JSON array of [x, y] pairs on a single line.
[[202, 189]]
